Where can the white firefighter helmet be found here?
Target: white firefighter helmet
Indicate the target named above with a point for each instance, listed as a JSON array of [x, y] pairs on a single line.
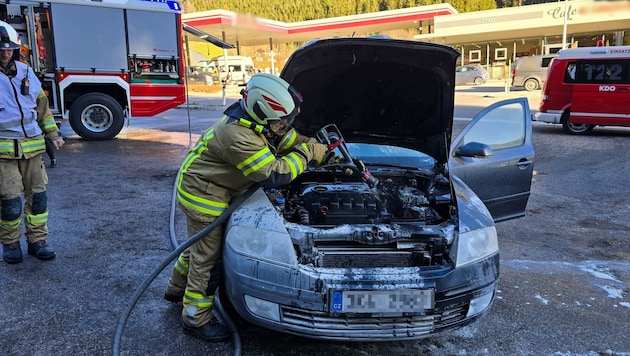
[[269, 99], [8, 37]]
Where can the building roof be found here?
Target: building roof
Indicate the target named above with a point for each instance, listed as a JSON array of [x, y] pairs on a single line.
[[448, 26], [531, 21]]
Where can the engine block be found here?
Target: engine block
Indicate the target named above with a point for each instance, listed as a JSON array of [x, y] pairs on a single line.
[[340, 203]]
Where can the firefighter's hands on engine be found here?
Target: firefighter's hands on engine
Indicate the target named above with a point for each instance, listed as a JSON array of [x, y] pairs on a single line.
[[318, 152], [332, 158]]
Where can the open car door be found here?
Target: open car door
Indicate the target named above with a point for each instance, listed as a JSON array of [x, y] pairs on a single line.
[[494, 156]]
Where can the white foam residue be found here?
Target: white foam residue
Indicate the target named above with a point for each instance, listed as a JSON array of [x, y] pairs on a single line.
[[612, 292], [466, 332], [599, 271], [625, 304], [543, 300]]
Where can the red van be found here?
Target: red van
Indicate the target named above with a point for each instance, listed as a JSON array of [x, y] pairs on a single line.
[[587, 87]]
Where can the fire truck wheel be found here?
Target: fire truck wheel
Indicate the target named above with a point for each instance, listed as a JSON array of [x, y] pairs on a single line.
[[96, 116]]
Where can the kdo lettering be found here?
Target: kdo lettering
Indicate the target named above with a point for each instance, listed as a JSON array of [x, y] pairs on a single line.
[[607, 88]]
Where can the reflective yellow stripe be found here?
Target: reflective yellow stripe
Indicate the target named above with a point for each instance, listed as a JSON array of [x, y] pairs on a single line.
[[256, 161], [181, 266], [198, 299], [295, 164], [35, 145], [49, 124], [287, 141], [36, 219], [202, 205], [6, 146], [10, 225]]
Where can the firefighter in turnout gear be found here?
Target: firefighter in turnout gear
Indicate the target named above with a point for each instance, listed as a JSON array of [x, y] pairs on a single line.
[[25, 124], [252, 142]]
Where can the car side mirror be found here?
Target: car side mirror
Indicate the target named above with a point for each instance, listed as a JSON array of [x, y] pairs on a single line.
[[474, 149]]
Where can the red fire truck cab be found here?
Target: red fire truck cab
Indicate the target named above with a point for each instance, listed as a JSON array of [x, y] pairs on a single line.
[[101, 62]]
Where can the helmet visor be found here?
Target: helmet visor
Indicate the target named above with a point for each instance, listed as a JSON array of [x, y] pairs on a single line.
[[283, 124]]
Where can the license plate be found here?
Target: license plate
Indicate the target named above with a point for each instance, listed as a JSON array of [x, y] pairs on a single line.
[[382, 301]]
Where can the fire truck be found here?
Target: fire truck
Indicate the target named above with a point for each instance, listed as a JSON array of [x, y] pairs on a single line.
[[102, 62]]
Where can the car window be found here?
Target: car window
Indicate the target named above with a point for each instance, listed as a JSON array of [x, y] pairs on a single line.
[[546, 61], [500, 128]]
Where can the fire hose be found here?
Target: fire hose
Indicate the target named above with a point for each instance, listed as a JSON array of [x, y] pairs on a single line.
[[329, 135], [167, 261]]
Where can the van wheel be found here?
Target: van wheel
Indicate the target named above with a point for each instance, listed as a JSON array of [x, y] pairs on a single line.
[[574, 129], [96, 116], [531, 84], [478, 81]]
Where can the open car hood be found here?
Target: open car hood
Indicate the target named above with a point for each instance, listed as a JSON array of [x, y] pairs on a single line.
[[377, 90]]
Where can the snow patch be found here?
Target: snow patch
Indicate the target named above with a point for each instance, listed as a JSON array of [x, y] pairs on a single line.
[[625, 304]]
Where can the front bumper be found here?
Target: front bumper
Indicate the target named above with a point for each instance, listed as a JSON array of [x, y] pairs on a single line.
[[550, 117], [304, 298]]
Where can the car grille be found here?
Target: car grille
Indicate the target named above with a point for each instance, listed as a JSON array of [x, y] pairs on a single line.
[[372, 258], [324, 325]]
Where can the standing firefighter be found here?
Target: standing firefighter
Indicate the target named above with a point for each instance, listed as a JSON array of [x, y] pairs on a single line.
[[231, 155], [24, 119]]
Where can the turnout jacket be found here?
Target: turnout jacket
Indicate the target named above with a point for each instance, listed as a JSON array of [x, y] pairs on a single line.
[[24, 118], [230, 156]]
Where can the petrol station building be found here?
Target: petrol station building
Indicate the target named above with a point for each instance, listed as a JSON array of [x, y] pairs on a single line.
[[492, 38]]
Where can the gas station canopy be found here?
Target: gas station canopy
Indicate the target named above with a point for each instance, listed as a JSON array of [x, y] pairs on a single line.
[[248, 30]]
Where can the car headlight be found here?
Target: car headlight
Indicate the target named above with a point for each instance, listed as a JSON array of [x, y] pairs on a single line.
[[267, 245], [476, 245], [263, 308]]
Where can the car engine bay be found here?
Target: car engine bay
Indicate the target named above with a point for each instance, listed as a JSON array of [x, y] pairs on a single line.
[[336, 218]]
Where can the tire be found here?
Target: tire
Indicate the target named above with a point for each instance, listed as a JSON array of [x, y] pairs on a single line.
[[478, 81], [531, 84], [96, 116], [574, 129]]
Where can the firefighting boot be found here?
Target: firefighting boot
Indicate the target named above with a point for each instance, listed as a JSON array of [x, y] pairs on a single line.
[[41, 250], [12, 253], [213, 331], [173, 298]]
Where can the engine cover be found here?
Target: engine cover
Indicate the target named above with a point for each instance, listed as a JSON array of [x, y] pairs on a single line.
[[340, 203]]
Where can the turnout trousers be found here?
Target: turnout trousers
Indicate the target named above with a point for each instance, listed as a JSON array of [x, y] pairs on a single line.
[[198, 272], [27, 178]]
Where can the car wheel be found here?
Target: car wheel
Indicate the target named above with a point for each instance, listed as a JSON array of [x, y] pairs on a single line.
[[479, 81], [531, 84], [96, 116], [574, 129]]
